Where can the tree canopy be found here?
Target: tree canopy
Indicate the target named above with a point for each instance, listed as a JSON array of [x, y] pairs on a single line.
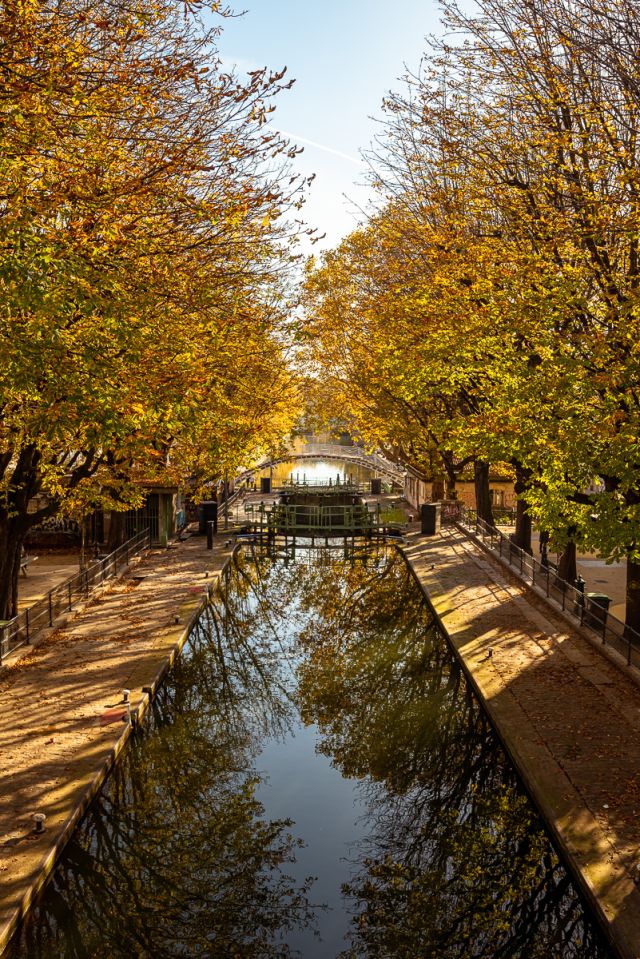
[[489, 305], [147, 221]]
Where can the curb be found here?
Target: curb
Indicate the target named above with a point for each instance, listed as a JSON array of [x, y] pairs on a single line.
[[509, 741], [99, 777]]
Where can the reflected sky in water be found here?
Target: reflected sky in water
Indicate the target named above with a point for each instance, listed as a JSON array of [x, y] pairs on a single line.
[[315, 779], [320, 471]]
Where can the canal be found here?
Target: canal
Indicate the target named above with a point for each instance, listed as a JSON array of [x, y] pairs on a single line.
[[315, 778], [318, 471]]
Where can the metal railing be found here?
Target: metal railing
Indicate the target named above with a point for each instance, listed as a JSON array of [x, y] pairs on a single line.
[[502, 515], [570, 598], [321, 487], [20, 630], [355, 454], [315, 520]]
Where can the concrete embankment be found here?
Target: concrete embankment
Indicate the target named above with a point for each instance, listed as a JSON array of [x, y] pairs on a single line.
[[63, 721], [569, 718]]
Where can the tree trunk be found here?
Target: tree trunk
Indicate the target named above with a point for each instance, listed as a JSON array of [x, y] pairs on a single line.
[[116, 531], [483, 495], [567, 567], [11, 540], [522, 535], [15, 521], [632, 611]]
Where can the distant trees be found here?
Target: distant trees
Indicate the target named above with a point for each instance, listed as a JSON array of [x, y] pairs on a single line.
[[495, 292], [144, 238]]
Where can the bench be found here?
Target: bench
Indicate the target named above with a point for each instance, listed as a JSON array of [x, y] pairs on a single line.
[[24, 563]]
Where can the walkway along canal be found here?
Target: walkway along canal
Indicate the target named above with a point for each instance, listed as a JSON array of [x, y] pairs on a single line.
[[315, 775]]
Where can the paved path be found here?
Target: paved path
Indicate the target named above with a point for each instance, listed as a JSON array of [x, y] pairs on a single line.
[[48, 570], [61, 705], [569, 717], [600, 576]]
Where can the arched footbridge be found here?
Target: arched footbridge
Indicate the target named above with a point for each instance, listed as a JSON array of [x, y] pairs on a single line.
[[333, 451]]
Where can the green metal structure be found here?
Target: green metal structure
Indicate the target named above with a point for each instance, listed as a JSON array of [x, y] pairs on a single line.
[[321, 511]]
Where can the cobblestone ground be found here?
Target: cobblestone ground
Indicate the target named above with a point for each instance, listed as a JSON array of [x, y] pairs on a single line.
[[568, 716]]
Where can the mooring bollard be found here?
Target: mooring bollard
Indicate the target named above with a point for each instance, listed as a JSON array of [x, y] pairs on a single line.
[[39, 819], [210, 526]]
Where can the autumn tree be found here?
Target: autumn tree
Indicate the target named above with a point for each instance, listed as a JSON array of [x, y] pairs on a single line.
[[513, 158], [144, 232], [559, 154]]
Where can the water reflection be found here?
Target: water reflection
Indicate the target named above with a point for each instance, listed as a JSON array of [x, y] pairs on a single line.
[[196, 847], [175, 858], [319, 471]]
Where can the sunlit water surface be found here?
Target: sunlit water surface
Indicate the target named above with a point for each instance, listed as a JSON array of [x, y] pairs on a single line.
[[315, 779], [319, 471]]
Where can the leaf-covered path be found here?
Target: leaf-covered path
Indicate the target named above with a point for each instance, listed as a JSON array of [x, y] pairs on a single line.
[[570, 718], [61, 708]]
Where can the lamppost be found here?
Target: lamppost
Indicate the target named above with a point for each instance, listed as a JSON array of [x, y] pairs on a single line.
[[226, 499]]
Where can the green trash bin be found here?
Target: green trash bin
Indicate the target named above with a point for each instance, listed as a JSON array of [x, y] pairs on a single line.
[[597, 609]]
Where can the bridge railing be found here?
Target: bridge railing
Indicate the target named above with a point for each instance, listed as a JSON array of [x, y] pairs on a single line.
[[373, 460], [324, 486], [358, 456], [315, 519]]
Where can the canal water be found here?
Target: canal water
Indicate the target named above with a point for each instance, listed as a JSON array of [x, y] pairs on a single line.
[[315, 778], [319, 471]]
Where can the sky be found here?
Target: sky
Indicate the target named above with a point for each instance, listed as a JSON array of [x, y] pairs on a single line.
[[345, 55]]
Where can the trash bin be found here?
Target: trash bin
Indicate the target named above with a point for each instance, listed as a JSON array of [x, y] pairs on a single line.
[[265, 484], [597, 609], [376, 486], [207, 513], [430, 518]]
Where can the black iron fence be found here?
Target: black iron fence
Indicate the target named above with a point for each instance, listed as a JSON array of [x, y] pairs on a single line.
[[587, 609], [62, 598], [502, 515]]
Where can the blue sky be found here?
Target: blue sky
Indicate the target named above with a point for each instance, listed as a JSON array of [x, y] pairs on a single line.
[[344, 57]]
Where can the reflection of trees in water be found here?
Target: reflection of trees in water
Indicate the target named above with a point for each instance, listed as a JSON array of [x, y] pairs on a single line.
[[480, 880], [163, 872], [253, 631], [175, 859], [456, 864]]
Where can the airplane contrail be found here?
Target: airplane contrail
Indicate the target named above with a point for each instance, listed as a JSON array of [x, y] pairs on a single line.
[[321, 146]]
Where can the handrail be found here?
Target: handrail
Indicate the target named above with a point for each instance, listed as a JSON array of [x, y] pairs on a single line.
[[572, 599], [502, 515], [20, 630], [314, 519], [335, 451], [323, 486], [350, 453]]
